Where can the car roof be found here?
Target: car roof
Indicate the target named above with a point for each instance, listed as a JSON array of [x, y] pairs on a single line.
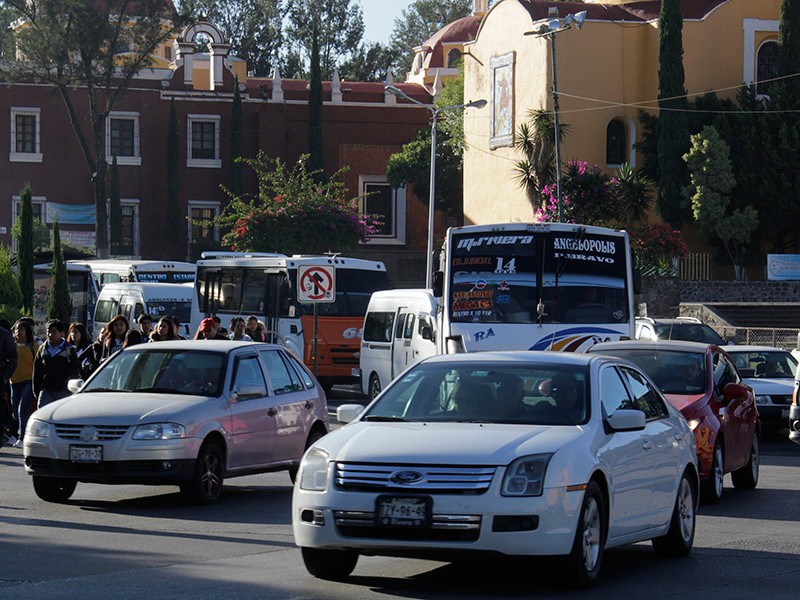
[[519, 356], [670, 321], [674, 345], [754, 348], [215, 345]]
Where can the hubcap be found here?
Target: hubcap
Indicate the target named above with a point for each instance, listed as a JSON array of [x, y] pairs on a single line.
[[591, 534], [686, 510], [718, 471], [210, 480], [754, 458]]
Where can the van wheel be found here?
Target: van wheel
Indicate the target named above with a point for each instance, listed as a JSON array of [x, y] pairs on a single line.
[[374, 386]]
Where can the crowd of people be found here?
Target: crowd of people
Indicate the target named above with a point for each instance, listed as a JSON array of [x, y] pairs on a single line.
[[36, 372]]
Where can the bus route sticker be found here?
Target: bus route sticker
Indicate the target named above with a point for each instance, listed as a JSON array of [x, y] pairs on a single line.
[[317, 283]]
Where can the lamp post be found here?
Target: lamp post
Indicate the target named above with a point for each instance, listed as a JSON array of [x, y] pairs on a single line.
[[435, 112], [549, 30]]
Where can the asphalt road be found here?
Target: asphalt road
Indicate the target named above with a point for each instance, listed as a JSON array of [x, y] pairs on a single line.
[[137, 542]]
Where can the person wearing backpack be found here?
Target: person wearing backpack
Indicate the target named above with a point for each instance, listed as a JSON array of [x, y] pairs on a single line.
[[55, 364]]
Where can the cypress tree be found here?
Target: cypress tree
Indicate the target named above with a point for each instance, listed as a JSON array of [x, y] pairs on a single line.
[[673, 128], [59, 305], [315, 145], [236, 141], [116, 209], [173, 219], [789, 49], [25, 251]]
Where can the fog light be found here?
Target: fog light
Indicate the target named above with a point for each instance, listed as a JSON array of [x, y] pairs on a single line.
[[314, 516], [166, 465], [505, 523]]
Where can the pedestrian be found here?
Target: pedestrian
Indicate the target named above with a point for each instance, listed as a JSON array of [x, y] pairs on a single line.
[[55, 364], [254, 329], [78, 336], [209, 330], [117, 328], [133, 337], [238, 330], [22, 403], [91, 356], [8, 364], [145, 323], [164, 331]]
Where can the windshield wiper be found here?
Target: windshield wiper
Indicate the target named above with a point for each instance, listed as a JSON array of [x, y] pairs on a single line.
[[382, 418], [103, 389], [158, 390]]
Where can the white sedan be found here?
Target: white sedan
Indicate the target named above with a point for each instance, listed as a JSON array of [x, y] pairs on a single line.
[[519, 453]]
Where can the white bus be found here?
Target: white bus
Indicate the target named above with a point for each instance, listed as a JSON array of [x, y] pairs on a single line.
[[550, 286], [265, 285], [140, 271], [82, 290]]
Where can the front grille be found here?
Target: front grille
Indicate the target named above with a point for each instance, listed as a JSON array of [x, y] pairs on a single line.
[[468, 480], [344, 356], [443, 528], [105, 433]]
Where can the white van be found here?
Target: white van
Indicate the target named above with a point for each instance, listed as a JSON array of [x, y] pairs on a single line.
[[156, 299], [399, 331]]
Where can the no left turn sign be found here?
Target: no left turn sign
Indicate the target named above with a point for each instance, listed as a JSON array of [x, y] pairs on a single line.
[[316, 283]]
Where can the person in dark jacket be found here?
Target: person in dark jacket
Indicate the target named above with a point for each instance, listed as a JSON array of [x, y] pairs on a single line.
[[8, 364], [55, 364]]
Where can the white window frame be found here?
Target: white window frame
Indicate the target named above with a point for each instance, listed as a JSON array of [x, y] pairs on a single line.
[[132, 202], [16, 206], [203, 163], [216, 206], [751, 27], [136, 159], [13, 155], [398, 205], [630, 129]]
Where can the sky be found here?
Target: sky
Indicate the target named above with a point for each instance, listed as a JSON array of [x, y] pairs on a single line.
[[379, 16]]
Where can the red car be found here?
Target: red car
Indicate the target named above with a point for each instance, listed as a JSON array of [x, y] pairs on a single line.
[[702, 382]]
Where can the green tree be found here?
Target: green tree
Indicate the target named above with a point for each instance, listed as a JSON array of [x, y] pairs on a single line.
[[316, 146], [341, 28], [115, 209], [72, 44], [251, 27], [25, 250], [237, 187], [789, 51], [673, 129], [7, 16], [536, 140], [173, 221], [418, 23], [712, 180], [59, 304], [370, 62], [10, 293], [293, 213]]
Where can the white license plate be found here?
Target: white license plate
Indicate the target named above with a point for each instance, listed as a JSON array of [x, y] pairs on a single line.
[[403, 511], [86, 454]]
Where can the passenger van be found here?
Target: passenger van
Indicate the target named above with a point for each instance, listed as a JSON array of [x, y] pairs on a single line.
[[399, 331], [156, 299]]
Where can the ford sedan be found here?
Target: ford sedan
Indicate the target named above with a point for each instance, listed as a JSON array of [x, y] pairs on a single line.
[[517, 453], [188, 413]]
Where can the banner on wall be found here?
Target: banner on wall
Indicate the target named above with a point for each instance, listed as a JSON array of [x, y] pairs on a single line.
[[80, 239], [73, 214], [783, 267]]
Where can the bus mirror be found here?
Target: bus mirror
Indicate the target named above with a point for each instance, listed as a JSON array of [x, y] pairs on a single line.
[[426, 332], [438, 284], [455, 344]]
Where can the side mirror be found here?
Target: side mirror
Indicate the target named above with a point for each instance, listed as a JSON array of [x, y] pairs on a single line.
[[426, 332], [347, 413], [247, 391], [627, 420], [75, 385]]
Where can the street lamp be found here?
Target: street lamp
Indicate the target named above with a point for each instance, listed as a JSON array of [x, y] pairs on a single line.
[[549, 30], [435, 112]]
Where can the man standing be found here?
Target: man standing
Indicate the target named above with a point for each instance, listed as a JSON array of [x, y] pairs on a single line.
[[8, 364], [145, 323], [55, 364]]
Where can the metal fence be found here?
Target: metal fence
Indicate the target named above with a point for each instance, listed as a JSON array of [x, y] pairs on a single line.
[[761, 336], [696, 267]]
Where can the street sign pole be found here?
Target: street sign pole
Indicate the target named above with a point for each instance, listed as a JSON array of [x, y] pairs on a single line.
[[316, 283]]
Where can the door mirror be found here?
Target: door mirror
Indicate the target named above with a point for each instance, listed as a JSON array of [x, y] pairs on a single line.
[[247, 391], [627, 420]]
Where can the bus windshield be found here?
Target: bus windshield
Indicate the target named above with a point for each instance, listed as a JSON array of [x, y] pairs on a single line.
[[538, 277]]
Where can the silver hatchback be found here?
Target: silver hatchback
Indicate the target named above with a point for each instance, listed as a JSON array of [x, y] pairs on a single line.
[[188, 413]]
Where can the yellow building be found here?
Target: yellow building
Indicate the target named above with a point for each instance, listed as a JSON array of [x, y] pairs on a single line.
[[606, 72]]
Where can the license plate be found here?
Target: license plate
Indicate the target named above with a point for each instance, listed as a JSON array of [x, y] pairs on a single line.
[[403, 511], [85, 454], [785, 413]]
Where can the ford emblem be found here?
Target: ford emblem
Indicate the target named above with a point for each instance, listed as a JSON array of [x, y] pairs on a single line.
[[88, 433], [405, 477]]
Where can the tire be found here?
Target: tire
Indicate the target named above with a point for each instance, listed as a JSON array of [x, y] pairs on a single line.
[[714, 485], [581, 567], [374, 386], [54, 489], [206, 484], [679, 539], [313, 438], [333, 565], [746, 478]]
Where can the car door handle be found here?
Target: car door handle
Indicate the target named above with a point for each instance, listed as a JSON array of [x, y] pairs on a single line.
[[647, 445], [272, 411]]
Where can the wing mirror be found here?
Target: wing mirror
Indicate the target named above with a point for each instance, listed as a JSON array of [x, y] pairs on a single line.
[[75, 385], [247, 391], [627, 420], [346, 413]]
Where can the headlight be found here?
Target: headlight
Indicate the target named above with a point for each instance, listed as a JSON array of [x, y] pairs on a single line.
[[693, 423], [159, 431], [37, 428], [525, 476], [314, 471], [763, 399]]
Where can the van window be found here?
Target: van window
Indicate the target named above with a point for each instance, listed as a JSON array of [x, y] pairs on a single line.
[[180, 309], [378, 327], [409, 330], [106, 310]]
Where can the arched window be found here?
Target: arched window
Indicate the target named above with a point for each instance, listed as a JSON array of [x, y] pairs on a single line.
[[616, 142], [766, 66], [453, 58]]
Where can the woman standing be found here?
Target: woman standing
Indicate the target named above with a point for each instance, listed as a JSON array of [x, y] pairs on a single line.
[[117, 328], [165, 330], [22, 403], [79, 336]]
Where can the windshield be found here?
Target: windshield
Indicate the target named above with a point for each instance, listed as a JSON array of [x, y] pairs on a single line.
[[160, 371], [486, 393], [531, 277], [672, 372], [777, 364], [690, 332]]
